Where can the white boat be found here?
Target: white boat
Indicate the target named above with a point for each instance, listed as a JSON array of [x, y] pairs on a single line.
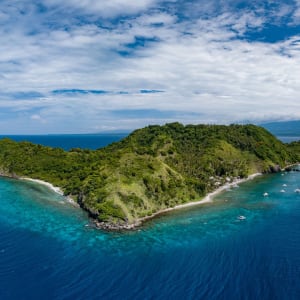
[[241, 217], [266, 194], [282, 191], [284, 185], [297, 190]]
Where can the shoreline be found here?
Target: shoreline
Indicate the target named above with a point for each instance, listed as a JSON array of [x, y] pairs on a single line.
[[139, 222], [53, 188], [207, 199]]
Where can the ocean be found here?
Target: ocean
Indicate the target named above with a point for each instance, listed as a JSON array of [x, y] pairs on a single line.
[[50, 250], [69, 141]]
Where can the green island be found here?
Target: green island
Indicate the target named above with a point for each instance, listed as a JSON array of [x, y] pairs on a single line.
[[153, 169]]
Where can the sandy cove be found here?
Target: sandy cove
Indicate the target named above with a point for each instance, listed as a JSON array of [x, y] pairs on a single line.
[[51, 187]]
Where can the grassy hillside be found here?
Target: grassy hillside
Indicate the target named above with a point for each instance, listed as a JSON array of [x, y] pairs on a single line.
[[153, 168], [294, 147]]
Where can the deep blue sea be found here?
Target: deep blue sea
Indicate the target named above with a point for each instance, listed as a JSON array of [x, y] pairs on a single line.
[[49, 250], [69, 141]]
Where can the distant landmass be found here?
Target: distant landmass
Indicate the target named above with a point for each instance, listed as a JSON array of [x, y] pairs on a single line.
[[152, 169], [287, 128]]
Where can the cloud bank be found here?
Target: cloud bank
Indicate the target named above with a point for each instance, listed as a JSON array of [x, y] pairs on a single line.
[[78, 66]]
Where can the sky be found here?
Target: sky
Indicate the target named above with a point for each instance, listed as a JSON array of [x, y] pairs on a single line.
[[87, 66]]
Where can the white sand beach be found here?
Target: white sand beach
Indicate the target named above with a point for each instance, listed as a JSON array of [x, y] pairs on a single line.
[[207, 199], [51, 187]]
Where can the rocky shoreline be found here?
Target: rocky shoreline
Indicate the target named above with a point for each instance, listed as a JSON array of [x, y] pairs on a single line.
[[139, 222], [208, 198]]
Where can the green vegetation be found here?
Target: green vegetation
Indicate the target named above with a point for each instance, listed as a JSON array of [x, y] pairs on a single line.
[[153, 168], [294, 147]]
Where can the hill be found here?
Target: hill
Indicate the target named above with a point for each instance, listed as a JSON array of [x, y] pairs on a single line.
[[154, 168]]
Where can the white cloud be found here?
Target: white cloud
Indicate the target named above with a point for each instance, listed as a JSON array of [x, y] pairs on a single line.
[[36, 117], [199, 64], [105, 9]]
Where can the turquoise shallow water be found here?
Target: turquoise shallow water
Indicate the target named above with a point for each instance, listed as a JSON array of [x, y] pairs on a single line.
[[48, 250]]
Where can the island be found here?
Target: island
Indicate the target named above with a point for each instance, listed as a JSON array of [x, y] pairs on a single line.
[[154, 169]]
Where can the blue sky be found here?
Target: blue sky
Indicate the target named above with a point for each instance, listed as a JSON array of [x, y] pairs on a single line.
[[77, 66]]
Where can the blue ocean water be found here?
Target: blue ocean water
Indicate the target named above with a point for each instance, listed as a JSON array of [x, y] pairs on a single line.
[[69, 141], [50, 250]]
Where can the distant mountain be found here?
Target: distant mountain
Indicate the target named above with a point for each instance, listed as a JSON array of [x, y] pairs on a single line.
[[287, 128]]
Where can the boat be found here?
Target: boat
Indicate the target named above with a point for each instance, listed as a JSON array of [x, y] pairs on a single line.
[[297, 190], [282, 191], [266, 194], [241, 217]]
